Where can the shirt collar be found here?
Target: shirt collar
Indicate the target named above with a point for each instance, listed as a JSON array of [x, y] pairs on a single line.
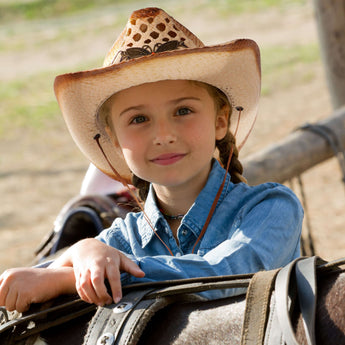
[[154, 216], [197, 214]]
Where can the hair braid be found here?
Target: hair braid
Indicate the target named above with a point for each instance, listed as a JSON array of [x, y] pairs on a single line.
[[142, 186], [235, 168]]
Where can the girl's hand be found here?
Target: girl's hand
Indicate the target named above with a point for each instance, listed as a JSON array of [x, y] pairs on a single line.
[[19, 287], [93, 262]]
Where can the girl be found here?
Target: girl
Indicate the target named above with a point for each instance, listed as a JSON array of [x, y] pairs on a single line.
[[168, 115]]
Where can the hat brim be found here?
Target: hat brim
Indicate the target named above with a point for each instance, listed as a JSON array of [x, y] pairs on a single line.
[[233, 67]]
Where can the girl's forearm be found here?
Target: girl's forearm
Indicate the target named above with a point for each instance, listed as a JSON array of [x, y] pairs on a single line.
[[64, 280], [20, 287], [64, 260]]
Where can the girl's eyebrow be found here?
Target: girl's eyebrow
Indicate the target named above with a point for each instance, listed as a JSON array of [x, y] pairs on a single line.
[[173, 101], [178, 100], [136, 107]]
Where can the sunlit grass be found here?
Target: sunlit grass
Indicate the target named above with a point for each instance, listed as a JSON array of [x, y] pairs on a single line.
[[284, 66], [30, 102], [42, 9], [226, 7]]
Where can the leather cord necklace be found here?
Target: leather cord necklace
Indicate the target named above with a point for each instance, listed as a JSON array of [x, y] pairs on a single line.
[[170, 217]]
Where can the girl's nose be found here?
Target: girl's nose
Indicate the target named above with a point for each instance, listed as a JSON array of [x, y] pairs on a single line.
[[164, 133]]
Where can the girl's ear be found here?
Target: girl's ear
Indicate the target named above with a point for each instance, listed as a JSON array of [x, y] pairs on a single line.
[[222, 122], [112, 136]]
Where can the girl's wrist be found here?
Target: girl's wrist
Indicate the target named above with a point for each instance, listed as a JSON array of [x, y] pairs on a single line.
[[65, 259], [64, 280]]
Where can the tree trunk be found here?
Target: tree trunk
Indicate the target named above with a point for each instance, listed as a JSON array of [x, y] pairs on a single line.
[[330, 19], [298, 152]]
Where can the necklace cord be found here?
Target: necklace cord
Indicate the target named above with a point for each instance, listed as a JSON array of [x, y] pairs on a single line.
[[168, 216]]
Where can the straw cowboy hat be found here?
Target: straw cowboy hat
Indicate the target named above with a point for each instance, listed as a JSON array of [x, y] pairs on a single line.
[[154, 47]]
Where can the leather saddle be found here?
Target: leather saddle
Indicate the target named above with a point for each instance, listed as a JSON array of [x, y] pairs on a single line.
[[266, 321], [83, 217]]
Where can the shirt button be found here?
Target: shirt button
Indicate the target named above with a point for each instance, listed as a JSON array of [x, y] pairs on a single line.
[[184, 232]]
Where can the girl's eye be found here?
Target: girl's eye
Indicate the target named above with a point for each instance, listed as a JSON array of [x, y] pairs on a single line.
[[183, 111], [138, 119]]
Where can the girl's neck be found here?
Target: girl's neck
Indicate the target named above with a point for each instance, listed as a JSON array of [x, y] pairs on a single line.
[[177, 200], [173, 204]]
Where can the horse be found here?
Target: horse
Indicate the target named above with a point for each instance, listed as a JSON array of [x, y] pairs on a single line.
[[172, 312]]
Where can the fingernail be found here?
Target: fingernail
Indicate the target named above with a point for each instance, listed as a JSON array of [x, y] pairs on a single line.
[[117, 299]]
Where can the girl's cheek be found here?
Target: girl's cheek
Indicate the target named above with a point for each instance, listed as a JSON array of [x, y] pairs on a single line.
[[133, 161], [128, 141]]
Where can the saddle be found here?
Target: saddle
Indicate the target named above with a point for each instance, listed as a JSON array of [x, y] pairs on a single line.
[[267, 318], [269, 298], [83, 217]]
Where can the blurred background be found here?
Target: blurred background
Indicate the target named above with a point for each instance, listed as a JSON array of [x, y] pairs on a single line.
[[40, 166]]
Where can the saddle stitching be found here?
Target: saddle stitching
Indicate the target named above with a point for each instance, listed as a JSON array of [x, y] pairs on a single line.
[[93, 324]]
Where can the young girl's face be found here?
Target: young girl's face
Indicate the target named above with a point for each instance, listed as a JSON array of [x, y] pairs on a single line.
[[167, 131]]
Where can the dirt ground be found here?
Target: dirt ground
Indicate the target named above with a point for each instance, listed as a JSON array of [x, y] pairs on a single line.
[[39, 172]]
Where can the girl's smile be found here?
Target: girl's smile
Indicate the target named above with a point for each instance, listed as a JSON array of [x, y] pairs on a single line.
[[167, 158], [167, 131]]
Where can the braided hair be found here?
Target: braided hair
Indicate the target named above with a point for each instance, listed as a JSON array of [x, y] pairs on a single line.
[[224, 146], [228, 143]]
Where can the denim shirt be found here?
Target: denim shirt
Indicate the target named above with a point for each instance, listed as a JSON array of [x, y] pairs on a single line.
[[253, 228]]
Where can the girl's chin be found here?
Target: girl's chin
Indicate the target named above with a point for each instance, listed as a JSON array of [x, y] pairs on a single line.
[[169, 182]]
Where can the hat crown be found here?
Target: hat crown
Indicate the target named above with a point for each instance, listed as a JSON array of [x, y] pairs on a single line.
[[150, 30]]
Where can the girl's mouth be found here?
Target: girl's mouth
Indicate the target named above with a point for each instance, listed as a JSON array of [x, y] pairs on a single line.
[[168, 158]]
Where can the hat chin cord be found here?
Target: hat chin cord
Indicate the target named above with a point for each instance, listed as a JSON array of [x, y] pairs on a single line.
[[215, 201], [124, 182]]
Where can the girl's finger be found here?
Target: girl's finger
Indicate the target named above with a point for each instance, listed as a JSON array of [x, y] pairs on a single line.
[[3, 294], [114, 278], [85, 288], [22, 303], [11, 300], [97, 280], [131, 267]]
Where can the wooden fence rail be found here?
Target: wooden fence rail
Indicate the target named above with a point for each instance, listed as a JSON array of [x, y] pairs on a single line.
[[295, 154]]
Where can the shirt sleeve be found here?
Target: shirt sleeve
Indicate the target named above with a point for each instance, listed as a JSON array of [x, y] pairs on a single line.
[[265, 235]]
